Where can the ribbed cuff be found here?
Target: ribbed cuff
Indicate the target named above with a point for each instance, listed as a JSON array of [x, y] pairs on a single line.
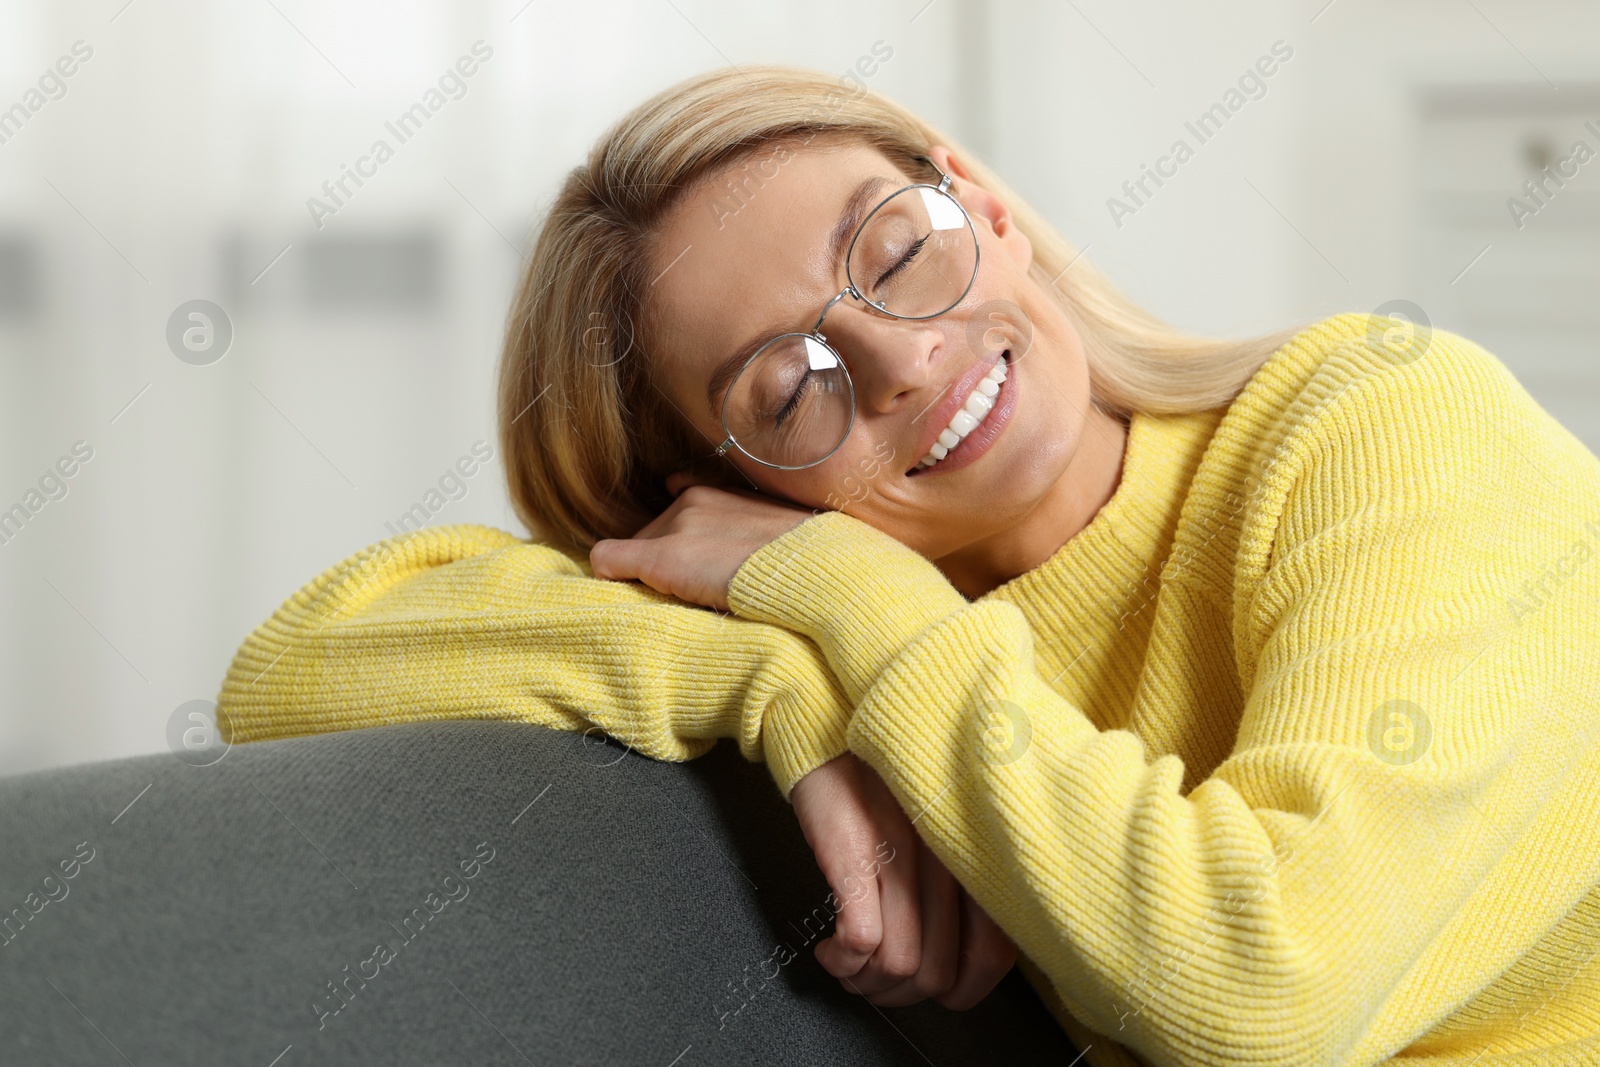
[[861, 595], [798, 737]]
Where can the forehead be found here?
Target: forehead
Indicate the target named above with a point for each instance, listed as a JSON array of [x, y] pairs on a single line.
[[747, 247]]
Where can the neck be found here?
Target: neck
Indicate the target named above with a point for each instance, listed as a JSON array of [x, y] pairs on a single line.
[[1083, 489]]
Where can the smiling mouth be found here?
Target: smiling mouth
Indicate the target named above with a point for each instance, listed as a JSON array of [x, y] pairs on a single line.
[[972, 414]]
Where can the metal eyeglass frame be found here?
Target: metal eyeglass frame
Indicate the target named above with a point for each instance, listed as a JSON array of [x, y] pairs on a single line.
[[850, 290]]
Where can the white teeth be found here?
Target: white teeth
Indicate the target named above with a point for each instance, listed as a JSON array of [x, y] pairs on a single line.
[[968, 416]]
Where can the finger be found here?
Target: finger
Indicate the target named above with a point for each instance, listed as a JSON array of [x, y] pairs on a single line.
[[858, 930], [615, 558], [900, 952], [678, 481], [626, 559], [623, 557], [941, 936], [987, 956], [834, 817]]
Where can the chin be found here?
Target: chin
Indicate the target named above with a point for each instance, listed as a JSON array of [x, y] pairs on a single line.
[[1025, 488]]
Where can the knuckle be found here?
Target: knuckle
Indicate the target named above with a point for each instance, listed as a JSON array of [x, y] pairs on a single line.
[[834, 965], [902, 964], [857, 941], [936, 978]]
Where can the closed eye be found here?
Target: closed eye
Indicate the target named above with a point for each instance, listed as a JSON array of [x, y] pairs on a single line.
[[794, 401], [905, 260]]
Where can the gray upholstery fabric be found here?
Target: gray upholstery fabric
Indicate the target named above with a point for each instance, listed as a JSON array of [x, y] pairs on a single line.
[[628, 909]]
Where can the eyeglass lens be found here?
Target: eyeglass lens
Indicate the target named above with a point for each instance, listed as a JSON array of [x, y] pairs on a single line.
[[914, 257]]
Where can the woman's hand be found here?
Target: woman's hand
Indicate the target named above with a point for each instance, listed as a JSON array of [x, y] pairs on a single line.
[[906, 929], [693, 549]]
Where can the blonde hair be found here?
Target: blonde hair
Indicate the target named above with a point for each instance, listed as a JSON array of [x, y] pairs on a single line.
[[588, 436]]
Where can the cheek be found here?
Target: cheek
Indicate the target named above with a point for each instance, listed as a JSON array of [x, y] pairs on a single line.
[[867, 483], [1068, 372], [803, 487], [846, 480]]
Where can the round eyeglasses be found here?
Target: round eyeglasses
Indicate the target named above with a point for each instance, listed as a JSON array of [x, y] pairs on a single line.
[[915, 256]]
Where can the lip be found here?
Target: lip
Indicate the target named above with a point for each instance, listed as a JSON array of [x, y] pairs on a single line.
[[975, 444]]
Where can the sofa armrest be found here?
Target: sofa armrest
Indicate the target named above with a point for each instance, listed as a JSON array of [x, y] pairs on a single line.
[[465, 891]]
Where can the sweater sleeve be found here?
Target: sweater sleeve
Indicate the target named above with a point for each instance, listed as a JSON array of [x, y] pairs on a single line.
[[467, 621], [1272, 913]]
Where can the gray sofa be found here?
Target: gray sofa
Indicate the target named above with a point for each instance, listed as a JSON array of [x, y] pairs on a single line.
[[440, 893]]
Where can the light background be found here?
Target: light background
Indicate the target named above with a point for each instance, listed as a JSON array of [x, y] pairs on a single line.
[[1376, 167]]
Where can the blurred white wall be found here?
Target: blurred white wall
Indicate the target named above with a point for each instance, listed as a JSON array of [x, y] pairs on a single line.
[[175, 162]]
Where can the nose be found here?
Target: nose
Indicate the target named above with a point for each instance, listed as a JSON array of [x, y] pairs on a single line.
[[891, 361]]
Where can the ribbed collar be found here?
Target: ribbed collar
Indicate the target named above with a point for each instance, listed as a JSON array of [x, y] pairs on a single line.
[[1110, 567]]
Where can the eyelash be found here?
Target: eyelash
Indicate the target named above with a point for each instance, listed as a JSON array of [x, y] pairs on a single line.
[[794, 401], [905, 261]]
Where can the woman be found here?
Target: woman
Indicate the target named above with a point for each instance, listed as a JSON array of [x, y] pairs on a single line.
[[1249, 687]]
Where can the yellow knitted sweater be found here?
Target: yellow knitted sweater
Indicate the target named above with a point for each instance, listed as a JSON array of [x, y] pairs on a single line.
[[1291, 756]]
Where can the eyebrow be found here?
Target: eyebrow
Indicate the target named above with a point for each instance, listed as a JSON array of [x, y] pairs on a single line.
[[838, 244]]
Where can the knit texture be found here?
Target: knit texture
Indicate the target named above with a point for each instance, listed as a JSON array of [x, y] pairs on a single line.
[[465, 621], [1291, 756]]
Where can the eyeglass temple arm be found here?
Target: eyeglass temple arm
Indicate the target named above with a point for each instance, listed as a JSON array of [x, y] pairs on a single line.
[[944, 179]]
